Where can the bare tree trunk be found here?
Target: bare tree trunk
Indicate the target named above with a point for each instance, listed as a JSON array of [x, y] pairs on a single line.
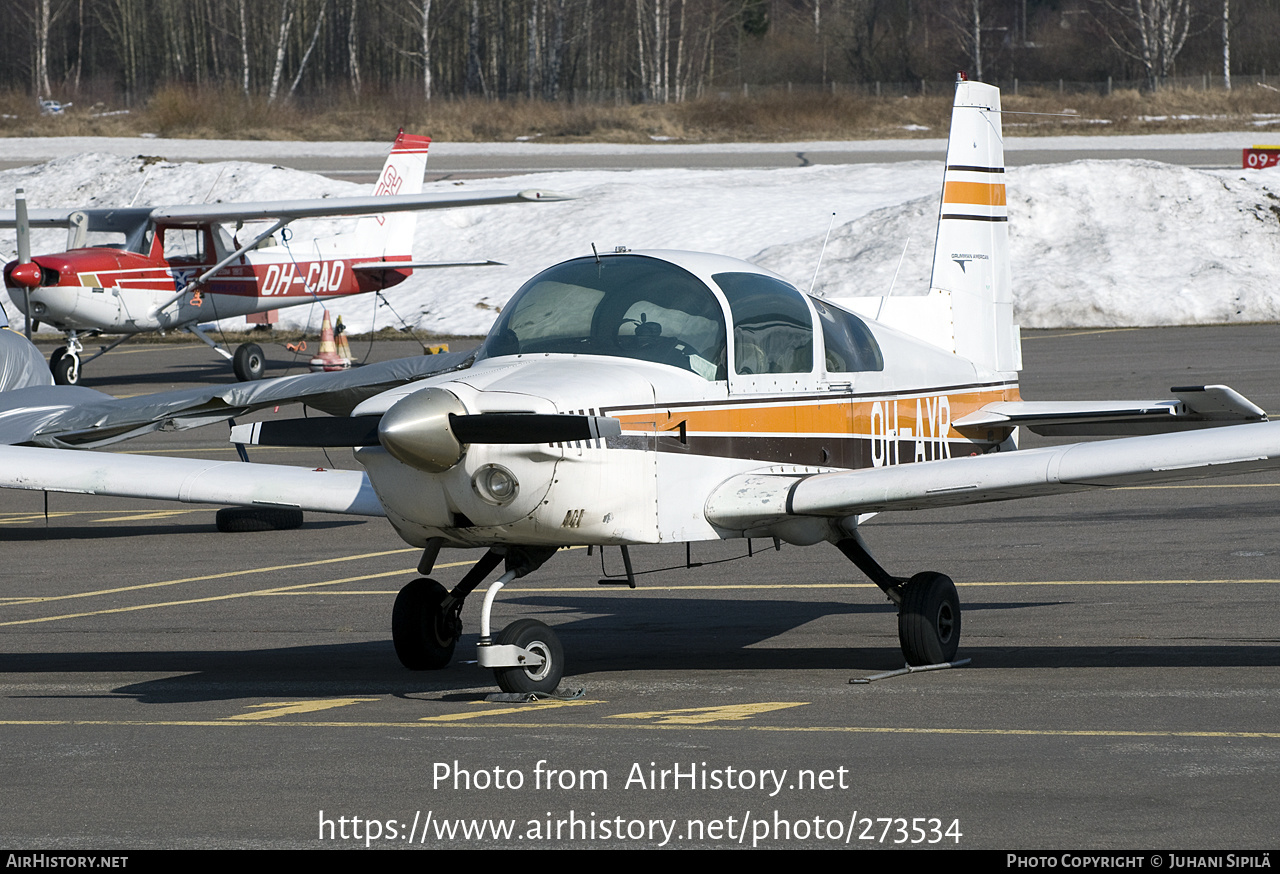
[[353, 54], [644, 79], [1226, 44], [302, 65], [43, 15], [977, 39], [426, 50], [473, 49], [244, 49], [531, 50], [282, 41]]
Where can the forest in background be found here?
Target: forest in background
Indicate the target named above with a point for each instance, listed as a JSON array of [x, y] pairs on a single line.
[[195, 66]]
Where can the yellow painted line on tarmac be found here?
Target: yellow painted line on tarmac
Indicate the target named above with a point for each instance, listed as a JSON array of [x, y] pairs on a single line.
[[206, 600], [705, 715], [506, 711], [156, 514], [655, 726], [273, 709], [218, 576]]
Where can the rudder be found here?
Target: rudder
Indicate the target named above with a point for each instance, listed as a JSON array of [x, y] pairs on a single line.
[[971, 252]]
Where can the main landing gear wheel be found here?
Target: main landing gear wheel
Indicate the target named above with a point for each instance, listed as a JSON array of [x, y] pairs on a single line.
[[424, 632], [65, 367], [538, 638], [249, 363], [929, 619]]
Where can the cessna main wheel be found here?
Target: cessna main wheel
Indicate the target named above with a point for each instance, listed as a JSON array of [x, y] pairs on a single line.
[[249, 363], [424, 632], [929, 619], [539, 639]]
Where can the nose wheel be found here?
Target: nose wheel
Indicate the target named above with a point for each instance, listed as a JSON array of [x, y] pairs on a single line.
[[539, 641], [65, 366]]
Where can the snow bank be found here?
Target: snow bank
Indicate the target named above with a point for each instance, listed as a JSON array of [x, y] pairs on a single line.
[[1095, 243]]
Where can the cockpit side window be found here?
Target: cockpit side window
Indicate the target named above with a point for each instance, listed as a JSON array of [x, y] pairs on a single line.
[[851, 348], [772, 328], [627, 306]]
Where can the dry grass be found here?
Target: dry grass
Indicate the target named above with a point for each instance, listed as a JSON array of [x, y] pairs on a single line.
[[186, 112]]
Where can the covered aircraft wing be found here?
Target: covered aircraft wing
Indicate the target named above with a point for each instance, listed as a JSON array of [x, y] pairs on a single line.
[[78, 417], [337, 206], [1194, 406], [189, 480], [750, 502]]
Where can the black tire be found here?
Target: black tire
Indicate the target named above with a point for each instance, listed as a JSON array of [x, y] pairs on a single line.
[[536, 637], [66, 371], [425, 634], [56, 357], [239, 520], [249, 363], [929, 619]]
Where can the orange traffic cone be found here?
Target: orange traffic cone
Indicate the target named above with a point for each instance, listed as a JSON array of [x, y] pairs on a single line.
[[344, 348], [328, 358]]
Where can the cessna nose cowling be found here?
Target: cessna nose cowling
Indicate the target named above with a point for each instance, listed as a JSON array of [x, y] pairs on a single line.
[[26, 274], [416, 430]]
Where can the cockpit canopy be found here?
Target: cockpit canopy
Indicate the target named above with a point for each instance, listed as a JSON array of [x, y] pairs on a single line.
[[636, 306], [625, 306]]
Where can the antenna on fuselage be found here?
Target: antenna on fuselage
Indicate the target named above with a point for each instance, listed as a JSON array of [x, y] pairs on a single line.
[[594, 252], [894, 281], [818, 266]]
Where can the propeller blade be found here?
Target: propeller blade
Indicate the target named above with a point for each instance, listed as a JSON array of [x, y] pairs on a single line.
[[531, 428], [22, 224], [336, 431]]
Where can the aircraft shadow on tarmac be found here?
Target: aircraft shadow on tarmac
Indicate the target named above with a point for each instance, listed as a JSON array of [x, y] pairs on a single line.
[[687, 637], [31, 533]]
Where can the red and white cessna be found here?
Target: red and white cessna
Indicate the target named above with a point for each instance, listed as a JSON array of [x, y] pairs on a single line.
[[177, 266]]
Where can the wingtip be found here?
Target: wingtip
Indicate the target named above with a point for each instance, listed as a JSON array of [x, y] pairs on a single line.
[[538, 194]]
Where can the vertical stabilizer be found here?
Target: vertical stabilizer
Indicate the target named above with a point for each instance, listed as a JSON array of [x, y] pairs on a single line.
[[391, 236], [971, 254]]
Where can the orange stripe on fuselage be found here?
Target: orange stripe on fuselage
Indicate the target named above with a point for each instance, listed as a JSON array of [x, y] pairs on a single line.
[[975, 193], [808, 415]]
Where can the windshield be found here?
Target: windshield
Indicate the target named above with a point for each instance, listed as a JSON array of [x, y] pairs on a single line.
[[625, 306]]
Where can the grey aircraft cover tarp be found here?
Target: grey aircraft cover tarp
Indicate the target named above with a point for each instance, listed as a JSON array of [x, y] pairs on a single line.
[[64, 417]]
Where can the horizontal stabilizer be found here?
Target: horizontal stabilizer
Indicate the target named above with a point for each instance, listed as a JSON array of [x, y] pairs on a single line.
[[189, 480], [1191, 407], [757, 501]]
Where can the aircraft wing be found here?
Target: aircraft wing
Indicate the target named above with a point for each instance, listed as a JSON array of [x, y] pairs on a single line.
[[77, 417], [189, 480], [756, 501], [1194, 406], [338, 206]]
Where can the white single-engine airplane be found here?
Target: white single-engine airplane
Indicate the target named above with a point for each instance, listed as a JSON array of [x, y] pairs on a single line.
[[177, 266], [664, 397]]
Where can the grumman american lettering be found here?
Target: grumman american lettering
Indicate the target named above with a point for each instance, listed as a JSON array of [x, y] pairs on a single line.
[[656, 397], [176, 267]]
